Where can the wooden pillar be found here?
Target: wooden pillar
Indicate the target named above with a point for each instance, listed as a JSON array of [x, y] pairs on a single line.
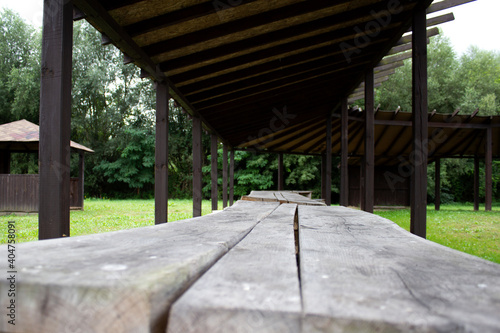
[[369, 160], [231, 177], [197, 175], [161, 153], [323, 176], [214, 176], [4, 162], [224, 176], [55, 119], [419, 125], [488, 171], [344, 166], [281, 178], [328, 164], [437, 184], [81, 176], [476, 183]]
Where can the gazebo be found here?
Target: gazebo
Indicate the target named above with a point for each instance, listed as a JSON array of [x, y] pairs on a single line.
[[20, 193], [246, 71]]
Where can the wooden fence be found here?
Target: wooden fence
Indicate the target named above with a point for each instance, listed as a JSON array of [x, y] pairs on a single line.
[[20, 193]]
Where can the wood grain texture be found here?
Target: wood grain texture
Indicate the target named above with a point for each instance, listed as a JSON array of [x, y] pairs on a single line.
[[253, 288], [362, 273], [121, 281]]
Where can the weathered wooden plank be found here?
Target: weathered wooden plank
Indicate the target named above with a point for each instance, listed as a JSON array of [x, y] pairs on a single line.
[[362, 273], [253, 288], [55, 119], [121, 281], [281, 196], [419, 125]]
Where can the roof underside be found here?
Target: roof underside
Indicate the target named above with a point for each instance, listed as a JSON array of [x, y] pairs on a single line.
[[253, 69]]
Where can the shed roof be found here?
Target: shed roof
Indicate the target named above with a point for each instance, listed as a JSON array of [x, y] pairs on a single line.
[[248, 68], [23, 135]]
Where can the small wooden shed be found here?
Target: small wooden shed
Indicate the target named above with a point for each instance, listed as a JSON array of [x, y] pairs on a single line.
[[20, 193]]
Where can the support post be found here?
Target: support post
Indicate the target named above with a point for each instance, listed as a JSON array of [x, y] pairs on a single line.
[[231, 177], [328, 171], [4, 162], [214, 176], [369, 161], [281, 180], [476, 183], [344, 166], [224, 176], [161, 153], [323, 176], [488, 171], [55, 119], [419, 125], [197, 175], [81, 176], [437, 184]]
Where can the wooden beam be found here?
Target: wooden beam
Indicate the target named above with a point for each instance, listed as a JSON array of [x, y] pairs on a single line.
[[179, 16], [446, 4], [420, 125], [437, 186], [369, 160], [214, 176], [476, 183], [231, 177], [78, 14], [161, 153], [281, 170], [81, 179], [105, 40], [488, 171], [344, 162], [224, 176], [55, 119], [323, 176], [197, 165], [328, 152]]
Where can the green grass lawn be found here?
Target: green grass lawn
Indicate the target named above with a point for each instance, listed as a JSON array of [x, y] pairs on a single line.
[[455, 226], [458, 227], [105, 215]]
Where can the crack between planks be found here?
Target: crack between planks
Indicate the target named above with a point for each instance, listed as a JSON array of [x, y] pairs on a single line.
[[189, 284], [297, 252]]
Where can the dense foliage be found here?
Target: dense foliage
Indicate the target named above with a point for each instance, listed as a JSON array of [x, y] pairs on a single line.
[[113, 113]]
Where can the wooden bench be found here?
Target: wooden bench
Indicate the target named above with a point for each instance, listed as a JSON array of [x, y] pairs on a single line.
[[258, 266]]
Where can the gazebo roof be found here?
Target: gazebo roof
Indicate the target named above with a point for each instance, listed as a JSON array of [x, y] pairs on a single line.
[[247, 67], [23, 135]]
